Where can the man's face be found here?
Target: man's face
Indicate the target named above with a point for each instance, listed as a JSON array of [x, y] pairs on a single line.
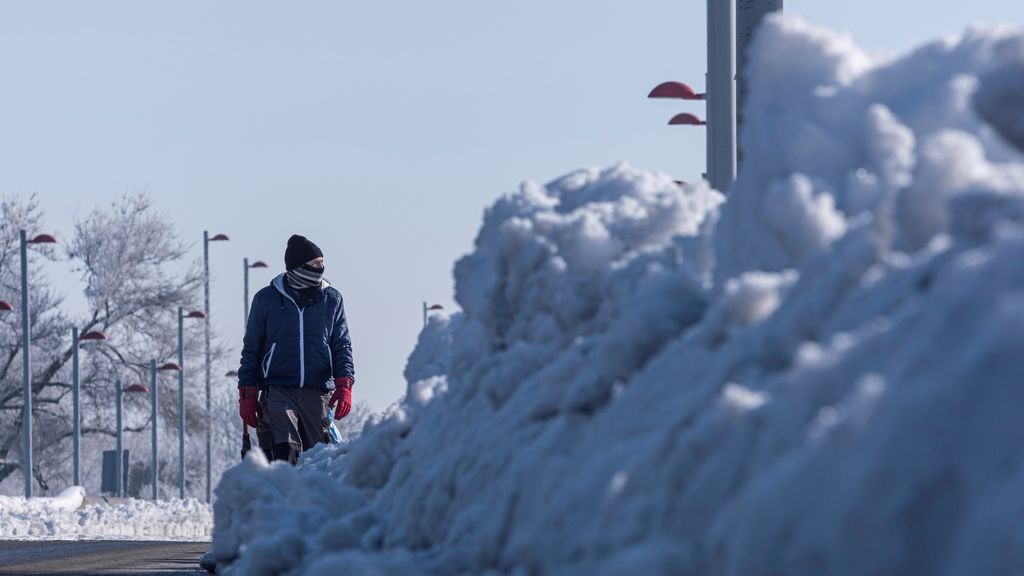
[[317, 263]]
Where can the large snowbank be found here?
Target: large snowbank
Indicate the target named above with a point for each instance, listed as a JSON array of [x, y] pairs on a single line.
[[823, 375], [64, 517]]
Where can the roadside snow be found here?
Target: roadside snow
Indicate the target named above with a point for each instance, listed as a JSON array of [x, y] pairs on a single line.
[[822, 375], [64, 518]]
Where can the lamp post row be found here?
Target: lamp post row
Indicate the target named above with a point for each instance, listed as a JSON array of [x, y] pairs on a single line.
[[731, 25], [96, 335]]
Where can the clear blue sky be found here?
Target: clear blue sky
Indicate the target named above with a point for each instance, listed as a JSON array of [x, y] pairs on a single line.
[[381, 130]]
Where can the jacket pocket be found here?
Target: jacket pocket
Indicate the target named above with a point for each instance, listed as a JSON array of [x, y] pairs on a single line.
[[267, 359]]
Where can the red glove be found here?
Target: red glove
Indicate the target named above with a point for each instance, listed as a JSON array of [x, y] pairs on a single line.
[[342, 397], [249, 406]]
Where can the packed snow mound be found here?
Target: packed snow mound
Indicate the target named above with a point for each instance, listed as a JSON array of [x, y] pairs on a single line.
[[822, 375], [831, 135], [64, 517]]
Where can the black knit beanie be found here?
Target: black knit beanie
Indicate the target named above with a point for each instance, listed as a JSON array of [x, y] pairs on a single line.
[[299, 251]]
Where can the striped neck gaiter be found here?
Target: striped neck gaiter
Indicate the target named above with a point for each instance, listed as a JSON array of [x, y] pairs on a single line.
[[304, 276]]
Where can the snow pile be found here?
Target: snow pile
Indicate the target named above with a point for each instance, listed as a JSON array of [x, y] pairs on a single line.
[[822, 375], [64, 517]]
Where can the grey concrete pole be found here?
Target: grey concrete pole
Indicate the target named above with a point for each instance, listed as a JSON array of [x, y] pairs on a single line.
[[155, 453], [721, 94], [206, 309], [181, 404], [26, 417], [749, 15], [120, 454], [75, 414]]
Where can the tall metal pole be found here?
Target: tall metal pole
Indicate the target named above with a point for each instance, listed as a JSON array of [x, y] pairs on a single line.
[[721, 98], [245, 295], [120, 454], [206, 309], [155, 453], [75, 414], [181, 404], [424, 314], [26, 417]]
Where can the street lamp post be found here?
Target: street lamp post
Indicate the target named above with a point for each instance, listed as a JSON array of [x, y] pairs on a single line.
[[721, 133], [428, 309], [246, 440], [76, 414], [27, 356], [76, 417], [206, 301], [154, 401], [118, 454], [119, 392], [749, 16], [181, 395], [245, 267], [152, 406]]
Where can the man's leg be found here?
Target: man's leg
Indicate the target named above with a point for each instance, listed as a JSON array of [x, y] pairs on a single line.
[[313, 409], [284, 424], [263, 433]]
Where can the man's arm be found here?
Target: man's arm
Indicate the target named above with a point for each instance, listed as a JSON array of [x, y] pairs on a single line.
[[250, 372], [341, 344]]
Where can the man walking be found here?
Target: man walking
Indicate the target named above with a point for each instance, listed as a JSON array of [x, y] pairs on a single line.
[[296, 355]]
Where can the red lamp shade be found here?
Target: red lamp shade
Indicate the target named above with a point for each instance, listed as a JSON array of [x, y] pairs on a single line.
[[258, 264], [219, 238], [195, 314], [43, 239], [5, 306], [94, 335], [170, 366], [436, 307], [675, 90], [686, 119], [137, 388]]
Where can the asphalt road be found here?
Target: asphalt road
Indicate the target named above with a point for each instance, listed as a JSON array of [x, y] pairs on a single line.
[[101, 557]]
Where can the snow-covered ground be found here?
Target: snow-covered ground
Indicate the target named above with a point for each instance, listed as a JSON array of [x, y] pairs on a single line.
[[63, 517], [823, 374]]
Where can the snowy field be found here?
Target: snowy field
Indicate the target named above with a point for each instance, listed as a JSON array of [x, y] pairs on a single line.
[[823, 374], [63, 517]]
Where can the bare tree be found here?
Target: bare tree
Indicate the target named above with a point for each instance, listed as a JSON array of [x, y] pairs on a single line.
[[135, 273]]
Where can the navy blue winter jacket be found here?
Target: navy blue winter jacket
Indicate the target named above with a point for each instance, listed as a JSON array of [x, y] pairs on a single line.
[[295, 342]]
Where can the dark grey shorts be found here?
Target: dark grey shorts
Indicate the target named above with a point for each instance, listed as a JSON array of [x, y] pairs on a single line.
[[297, 416]]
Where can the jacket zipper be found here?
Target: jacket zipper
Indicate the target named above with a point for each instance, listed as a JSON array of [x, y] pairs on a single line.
[[302, 347], [302, 338]]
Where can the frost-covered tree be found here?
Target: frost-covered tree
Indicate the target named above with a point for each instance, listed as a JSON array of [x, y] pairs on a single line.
[[135, 273]]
